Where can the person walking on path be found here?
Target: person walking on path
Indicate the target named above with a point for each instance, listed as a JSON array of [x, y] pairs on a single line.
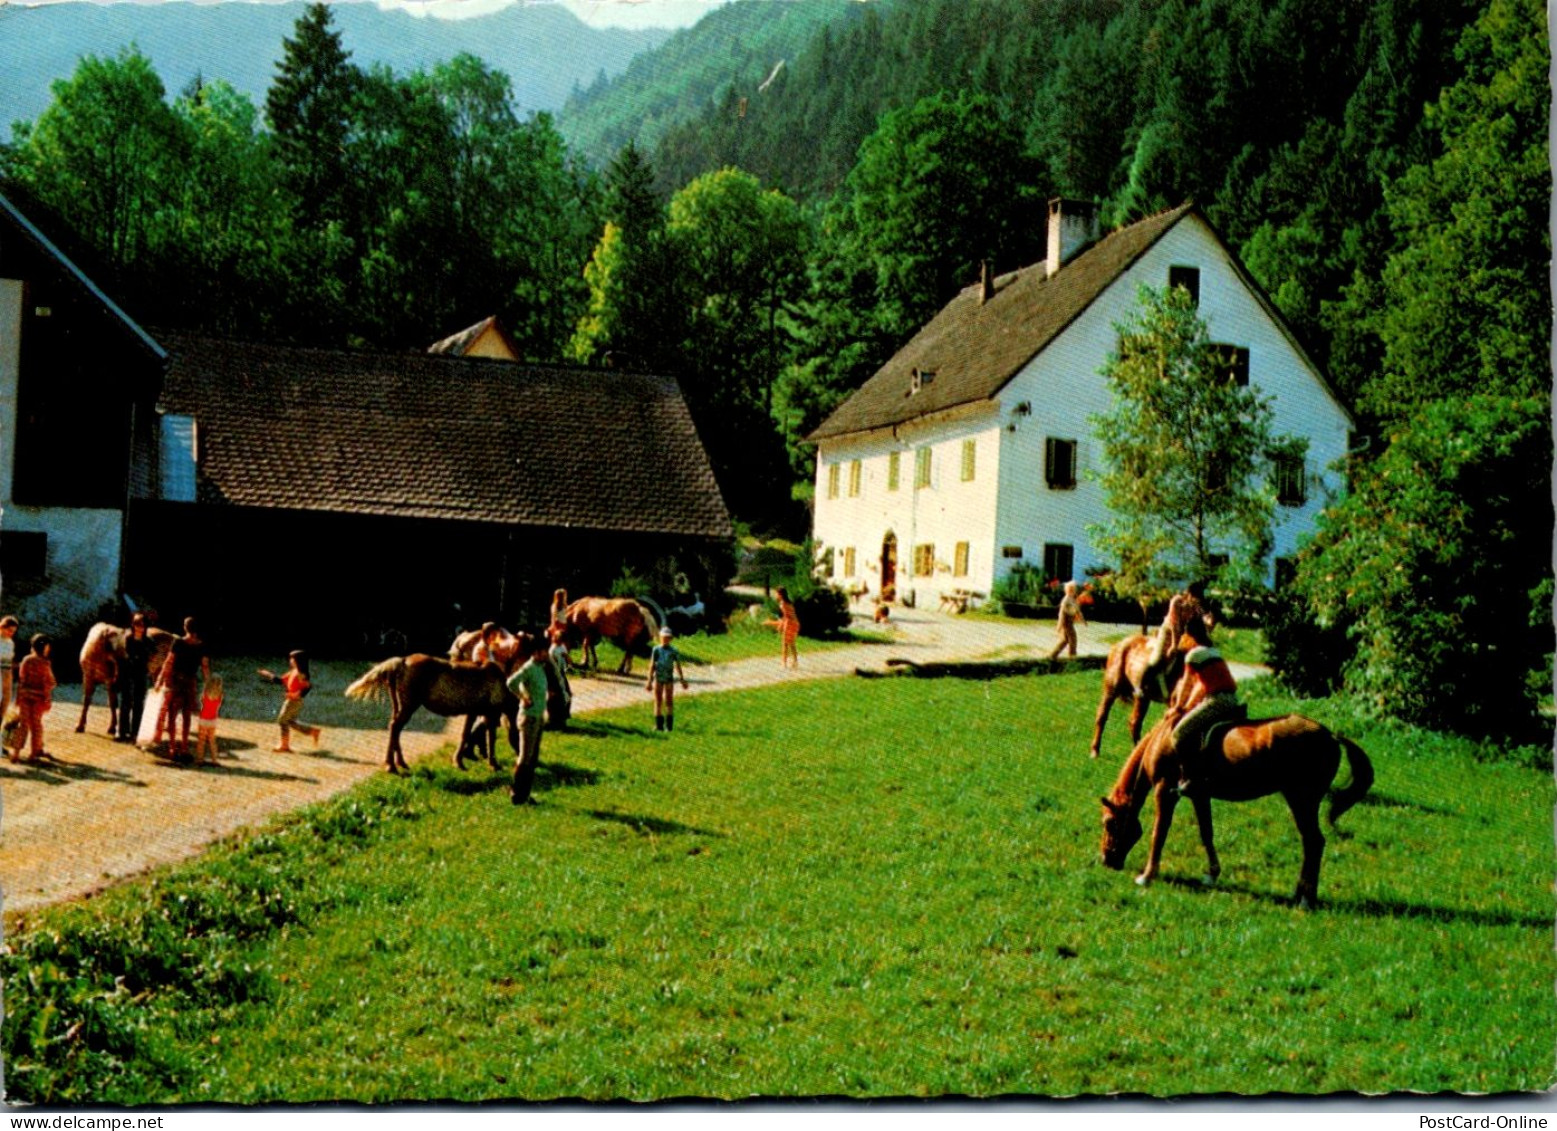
[[664, 669], [296, 684], [529, 685], [8, 627], [210, 710], [134, 676], [788, 624], [35, 694], [188, 665], [1069, 615]]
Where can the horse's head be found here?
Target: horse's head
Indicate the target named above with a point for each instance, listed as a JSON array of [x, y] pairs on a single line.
[[1121, 829]]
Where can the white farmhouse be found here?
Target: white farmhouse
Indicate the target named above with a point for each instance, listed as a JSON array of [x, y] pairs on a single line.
[[967, 453]]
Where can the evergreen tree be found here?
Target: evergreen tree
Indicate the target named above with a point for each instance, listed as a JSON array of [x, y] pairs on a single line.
[[308, 108]]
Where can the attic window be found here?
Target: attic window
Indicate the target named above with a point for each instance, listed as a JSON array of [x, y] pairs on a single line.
[[921, 378], [1230, 363], [1188, 278]]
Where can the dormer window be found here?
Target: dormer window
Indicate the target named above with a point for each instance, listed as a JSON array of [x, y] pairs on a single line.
[[921, 378]]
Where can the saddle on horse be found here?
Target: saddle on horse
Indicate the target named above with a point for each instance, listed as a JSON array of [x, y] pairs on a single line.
[[1198, 736]]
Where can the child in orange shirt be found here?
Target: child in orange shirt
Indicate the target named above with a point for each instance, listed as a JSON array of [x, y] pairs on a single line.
[[35, 693], [296, 685]]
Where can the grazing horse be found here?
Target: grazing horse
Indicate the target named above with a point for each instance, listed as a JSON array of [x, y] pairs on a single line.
[[1126, 676], [621, 620], [1290, 755], [446, 688], [101, 656]]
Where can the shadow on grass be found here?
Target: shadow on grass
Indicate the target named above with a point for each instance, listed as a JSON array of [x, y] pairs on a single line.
[[1369, 908], [1385, 801], [548, 776], [655, 826], [592, 728]]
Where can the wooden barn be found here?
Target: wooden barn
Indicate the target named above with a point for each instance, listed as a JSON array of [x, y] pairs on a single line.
[[330, 497]]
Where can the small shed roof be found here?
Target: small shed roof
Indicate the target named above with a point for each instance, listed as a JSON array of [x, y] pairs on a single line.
[[460, 344], [426, 436]]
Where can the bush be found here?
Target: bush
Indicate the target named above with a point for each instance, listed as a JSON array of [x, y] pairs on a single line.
[[1307, 656], [824, 612], [1438, 562]]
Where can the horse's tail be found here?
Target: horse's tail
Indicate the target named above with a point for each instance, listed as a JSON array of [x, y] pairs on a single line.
[[1361, 779], [379, 680], [650, 625]]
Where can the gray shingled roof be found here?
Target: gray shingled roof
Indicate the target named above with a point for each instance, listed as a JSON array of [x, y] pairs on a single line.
[[974, 349], [425, 436]]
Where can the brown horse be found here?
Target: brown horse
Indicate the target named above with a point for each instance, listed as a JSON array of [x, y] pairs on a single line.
[[101, 656], [1290, 755], [621, 620], [445, 688], [1126, 676], [508, 649]]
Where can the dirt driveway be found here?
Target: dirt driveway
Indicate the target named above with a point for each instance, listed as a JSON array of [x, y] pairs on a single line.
[[101, 811]]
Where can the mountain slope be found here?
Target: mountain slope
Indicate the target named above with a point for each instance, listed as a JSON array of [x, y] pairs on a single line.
[[544, 49], [739, 45]]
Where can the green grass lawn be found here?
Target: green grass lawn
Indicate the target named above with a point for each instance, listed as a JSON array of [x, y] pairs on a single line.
[[744, 639], [866, 888]]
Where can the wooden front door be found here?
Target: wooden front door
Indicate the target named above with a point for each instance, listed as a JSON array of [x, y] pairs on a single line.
[[889, 568]]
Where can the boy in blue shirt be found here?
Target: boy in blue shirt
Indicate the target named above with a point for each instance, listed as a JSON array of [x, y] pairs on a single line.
[[664, 668]]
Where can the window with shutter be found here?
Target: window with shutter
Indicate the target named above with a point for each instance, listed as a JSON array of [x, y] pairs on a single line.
[[1059, 463]]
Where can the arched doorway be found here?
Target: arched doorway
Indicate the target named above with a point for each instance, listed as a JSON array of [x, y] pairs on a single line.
[[889, 567]]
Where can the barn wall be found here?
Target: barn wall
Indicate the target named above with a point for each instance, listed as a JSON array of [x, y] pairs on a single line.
[[338, 583]]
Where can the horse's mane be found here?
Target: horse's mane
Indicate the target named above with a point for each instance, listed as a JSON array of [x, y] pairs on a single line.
[[1124, 787]]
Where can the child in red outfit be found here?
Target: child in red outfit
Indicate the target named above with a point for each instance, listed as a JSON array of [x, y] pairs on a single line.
[[296, 685], [210, 710], [35, 693]]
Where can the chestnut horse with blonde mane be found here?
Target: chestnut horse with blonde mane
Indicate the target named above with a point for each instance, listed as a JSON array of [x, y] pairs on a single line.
[[1125, 676], [1290, 755], [444, 687], [621, 620]]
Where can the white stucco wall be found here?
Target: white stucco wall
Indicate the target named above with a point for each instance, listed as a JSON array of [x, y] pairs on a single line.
[[1010, 503], [948, 511], [1065, 389], [83, 544]]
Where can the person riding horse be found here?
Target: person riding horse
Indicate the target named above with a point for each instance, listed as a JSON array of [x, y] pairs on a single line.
[[1207, 694]]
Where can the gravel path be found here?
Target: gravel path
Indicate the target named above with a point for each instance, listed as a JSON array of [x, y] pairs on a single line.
[[100, 811]]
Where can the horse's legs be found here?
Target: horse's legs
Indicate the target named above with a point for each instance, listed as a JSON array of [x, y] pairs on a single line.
[[1137, 716], [490, 734], [465, 735], [88, 689], [1203, 819], [1305, 812], [1102, 717], [394, 757], [113, 707], [1166, 798]]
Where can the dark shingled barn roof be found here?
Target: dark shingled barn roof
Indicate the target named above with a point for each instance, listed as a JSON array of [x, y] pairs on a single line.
[[424, 436], [974, 349]]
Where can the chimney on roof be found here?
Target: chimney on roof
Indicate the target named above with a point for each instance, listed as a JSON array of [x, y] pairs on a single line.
[[1072, 225], [986, 283]]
